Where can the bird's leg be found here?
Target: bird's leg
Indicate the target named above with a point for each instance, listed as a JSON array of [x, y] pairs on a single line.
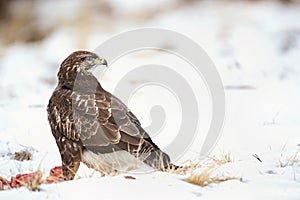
[[70, 169], [71, 154]]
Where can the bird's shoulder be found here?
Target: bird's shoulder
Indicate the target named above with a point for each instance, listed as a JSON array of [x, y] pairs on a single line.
[[94, 115]]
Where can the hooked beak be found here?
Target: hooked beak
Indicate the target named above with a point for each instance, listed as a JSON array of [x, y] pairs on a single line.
[[101, 61]]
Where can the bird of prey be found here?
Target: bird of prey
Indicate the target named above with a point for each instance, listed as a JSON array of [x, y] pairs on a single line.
[[91, 125]]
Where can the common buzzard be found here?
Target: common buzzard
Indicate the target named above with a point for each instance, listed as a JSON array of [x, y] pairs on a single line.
[[90, 125]]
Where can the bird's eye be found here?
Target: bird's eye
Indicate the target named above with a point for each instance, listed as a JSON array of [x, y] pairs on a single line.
[[86, 58]]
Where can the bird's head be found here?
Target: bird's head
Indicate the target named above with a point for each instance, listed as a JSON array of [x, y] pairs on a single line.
[[83, 60], [79, 61]]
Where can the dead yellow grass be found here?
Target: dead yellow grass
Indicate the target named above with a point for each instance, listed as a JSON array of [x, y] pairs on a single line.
[[290, 160], [23, 155], [206, 178], [223, 159], [181, 169]]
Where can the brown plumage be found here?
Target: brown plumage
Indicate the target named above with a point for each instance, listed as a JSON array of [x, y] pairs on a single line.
[[88, 122]]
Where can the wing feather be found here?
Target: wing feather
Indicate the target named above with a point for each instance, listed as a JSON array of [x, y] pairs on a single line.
[[97, 119]]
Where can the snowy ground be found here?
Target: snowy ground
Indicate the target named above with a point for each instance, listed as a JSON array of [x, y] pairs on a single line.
[[256, 49]]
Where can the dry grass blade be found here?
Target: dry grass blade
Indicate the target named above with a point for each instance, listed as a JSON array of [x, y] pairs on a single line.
[[290, 161], [181, 169], [23, 155], [203, 179], [223, 159], [206, 178]]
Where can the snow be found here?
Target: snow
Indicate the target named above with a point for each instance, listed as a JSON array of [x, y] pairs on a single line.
[[256, 49]]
